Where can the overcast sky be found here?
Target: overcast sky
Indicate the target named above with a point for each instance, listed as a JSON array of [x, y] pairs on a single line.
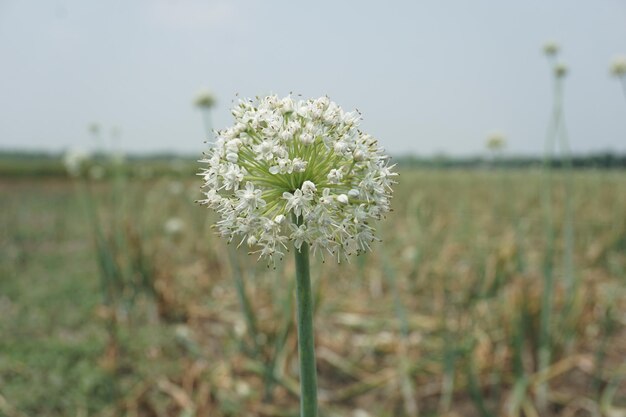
[[428, 76]]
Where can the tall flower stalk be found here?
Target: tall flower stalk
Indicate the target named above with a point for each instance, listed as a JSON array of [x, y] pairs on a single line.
[[496, 142], [556, 138], [543, 354], [298, 174], [205, 101], [306, 337]]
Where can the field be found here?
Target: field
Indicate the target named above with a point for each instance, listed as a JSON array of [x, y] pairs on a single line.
[[117, 299]]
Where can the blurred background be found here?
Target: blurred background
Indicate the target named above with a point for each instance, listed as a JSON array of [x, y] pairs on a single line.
[[499, 290]]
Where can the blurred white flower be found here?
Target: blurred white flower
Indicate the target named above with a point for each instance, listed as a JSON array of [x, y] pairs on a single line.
[[183, 332], [496, 141], [305, 161], [174, 226], [75, 160], [243, 389], [560, 70], [409, 253], [204, 99], [618, 66], [551, 48], [240, 328]]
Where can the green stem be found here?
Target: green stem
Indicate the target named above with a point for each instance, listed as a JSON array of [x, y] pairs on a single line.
[[206, 121], [547, 302], [306, 343]]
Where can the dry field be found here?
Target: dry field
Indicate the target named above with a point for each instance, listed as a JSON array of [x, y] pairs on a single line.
[[117, 299]]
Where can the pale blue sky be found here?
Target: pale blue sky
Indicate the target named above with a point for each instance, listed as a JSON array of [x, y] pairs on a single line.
[[428, 76]]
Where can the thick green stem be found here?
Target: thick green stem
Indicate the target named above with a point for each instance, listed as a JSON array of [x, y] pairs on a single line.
[[306, 343]]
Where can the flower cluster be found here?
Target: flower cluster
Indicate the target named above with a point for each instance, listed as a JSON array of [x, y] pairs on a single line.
[[75, 161], [496, 141], [291, 172], [618, 66], [560, 70], [551, 48], [204, 99]]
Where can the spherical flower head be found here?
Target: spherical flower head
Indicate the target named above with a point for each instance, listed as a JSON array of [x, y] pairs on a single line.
[[204, 99], [74, 161], [560, 70], [293, 172], [551, 48], [496, 141], [618, 66]]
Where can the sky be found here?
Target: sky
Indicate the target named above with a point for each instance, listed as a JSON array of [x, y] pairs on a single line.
[[429, 77]]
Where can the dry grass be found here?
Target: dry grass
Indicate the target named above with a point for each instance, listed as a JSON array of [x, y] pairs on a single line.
[[441, 319]]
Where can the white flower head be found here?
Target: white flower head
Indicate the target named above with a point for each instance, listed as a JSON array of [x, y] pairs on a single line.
[[204, 99], [75, 161], [496, 141], [618, 66], [551, 48], [560, 70], [292, 172], [174, 226]]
